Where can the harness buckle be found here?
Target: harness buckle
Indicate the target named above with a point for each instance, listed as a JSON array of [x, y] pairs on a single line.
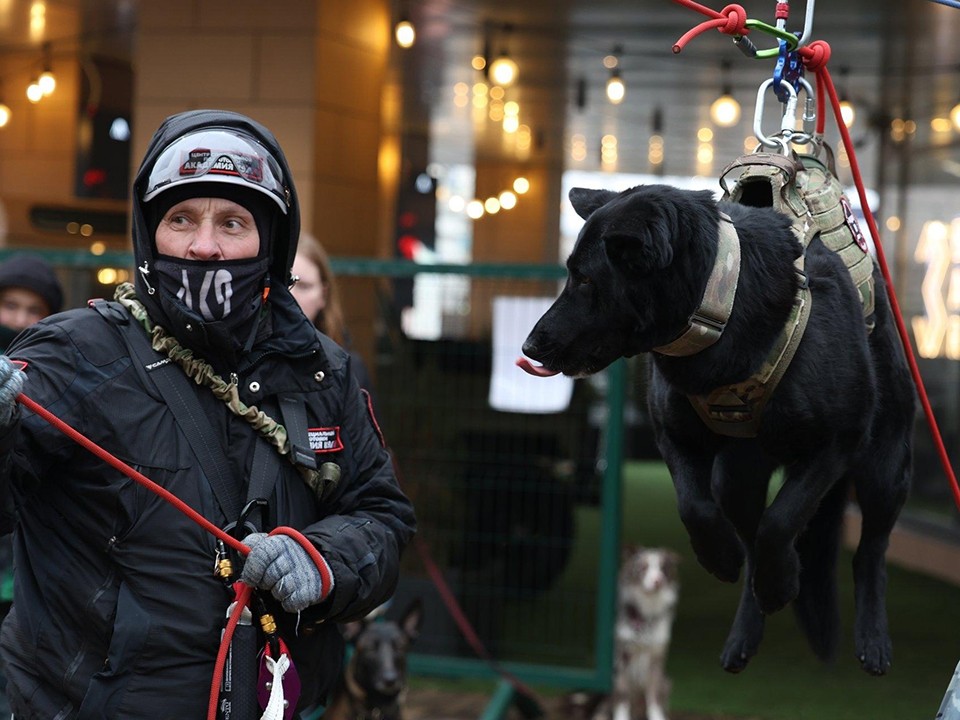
[[712, 323]]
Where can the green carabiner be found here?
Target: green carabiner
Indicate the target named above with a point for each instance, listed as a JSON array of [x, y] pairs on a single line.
[[784, 35]]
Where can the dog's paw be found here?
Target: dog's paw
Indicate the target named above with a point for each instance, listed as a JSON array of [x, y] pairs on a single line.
[[776, 585], [736, 654], [719, 551], [874, 651]]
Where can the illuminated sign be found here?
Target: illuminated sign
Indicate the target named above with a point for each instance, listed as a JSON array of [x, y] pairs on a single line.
[[937, 332]]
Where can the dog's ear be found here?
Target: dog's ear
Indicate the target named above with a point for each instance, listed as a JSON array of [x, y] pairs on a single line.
[[586, 200], [412, 619], [639, 251], [351, 630]]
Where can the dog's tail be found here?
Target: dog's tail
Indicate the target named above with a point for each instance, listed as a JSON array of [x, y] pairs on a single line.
[[817, 606]]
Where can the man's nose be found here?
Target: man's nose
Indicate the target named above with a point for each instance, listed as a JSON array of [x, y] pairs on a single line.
[[205, 245]]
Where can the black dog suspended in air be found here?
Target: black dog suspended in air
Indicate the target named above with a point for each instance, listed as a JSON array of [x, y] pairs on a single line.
[[840, 417]]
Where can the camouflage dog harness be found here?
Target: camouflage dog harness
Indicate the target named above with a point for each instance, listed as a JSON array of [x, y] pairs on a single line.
[[807, 190]]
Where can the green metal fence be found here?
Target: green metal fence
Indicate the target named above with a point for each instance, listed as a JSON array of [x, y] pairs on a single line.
[[519, 510]]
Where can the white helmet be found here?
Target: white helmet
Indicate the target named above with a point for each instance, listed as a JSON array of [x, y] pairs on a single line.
[[218, 155]]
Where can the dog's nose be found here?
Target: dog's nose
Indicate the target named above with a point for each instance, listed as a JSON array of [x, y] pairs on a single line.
[[530, 348], [389, 682]]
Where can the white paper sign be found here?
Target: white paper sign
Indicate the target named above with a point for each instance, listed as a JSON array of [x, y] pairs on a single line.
[[511, 389]]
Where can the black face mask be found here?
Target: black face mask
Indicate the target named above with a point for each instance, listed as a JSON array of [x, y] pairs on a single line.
[[227, 291], [214, 306]]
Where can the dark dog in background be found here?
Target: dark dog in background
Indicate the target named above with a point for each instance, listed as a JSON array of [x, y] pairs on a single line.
[[841, 416], [373, 682]]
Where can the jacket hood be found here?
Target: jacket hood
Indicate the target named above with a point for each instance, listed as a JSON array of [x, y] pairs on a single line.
[[284, 246]]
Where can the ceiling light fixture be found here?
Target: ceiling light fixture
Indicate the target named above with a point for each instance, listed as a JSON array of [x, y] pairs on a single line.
[[725, 110], [616, 90]]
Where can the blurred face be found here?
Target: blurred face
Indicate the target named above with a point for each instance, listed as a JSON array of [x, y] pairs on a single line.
[[208, 229], [20, 308], [310, 290]]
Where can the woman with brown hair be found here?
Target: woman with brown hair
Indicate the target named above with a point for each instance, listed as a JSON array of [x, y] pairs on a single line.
[[316, 291]]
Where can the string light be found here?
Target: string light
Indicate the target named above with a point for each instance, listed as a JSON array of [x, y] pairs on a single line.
[[504, 70], [47, 81]]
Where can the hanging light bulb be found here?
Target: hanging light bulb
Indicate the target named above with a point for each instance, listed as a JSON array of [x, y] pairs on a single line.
[[955, 116], [503, 70], [725, 110], [47, 81], [5, 113], [847, 113], [616, 90], [405, 33], [34, 91]]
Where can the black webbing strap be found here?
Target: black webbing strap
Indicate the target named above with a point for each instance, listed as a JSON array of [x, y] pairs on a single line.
[[175, 388], [294, 413], [263, 478]]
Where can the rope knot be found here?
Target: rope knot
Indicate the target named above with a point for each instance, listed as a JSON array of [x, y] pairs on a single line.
[[816, 55], [736, 20]]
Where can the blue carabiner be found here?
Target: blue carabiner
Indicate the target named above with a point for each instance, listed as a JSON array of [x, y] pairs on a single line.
[[789, 67]]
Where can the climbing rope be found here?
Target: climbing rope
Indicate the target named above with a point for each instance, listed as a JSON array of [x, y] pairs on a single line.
[[242, 591], [732, 21]]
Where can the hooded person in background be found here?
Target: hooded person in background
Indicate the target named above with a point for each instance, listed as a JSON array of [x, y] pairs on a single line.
[[117, 610], [29, 292]]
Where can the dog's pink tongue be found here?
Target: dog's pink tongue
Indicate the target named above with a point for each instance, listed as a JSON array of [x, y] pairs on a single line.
[[538, 370]]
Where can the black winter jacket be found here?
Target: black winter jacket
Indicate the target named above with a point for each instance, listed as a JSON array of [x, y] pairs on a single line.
[[117, 613]]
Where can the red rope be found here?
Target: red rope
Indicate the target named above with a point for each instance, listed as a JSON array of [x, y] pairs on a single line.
[[242, 590], [730, 21], [815, 57]]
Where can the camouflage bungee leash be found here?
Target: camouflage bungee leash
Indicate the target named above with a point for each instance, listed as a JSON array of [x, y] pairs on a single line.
[[202, 373]]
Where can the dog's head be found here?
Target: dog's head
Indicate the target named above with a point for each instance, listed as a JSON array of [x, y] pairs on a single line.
[[648, 581], [636, 273], [378, 667]]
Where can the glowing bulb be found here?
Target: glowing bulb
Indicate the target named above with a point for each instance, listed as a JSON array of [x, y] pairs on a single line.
[[847, 113], [521, 185], [616, 90], [4, 114], [47, 82], [405, 33], [508, 200], [955, 116], [34, 93], [725, 111], [504, 71], [475, 209]]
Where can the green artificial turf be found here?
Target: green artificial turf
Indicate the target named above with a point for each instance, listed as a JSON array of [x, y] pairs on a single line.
[[785, 681]]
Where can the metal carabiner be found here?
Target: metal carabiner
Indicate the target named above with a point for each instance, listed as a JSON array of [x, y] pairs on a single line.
[[787, 120], [781, 34]]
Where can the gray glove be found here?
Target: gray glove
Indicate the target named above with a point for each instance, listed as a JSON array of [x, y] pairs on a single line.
[[277, 563], [11, 383]]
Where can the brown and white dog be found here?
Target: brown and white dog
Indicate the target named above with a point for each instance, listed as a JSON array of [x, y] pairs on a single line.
[[374, 680], [648, 589]]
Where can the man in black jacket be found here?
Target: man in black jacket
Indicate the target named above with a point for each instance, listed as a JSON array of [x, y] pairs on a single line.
[[117, 612]]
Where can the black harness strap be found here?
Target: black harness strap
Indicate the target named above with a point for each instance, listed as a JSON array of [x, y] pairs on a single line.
[[294, 413], [175, 388]]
